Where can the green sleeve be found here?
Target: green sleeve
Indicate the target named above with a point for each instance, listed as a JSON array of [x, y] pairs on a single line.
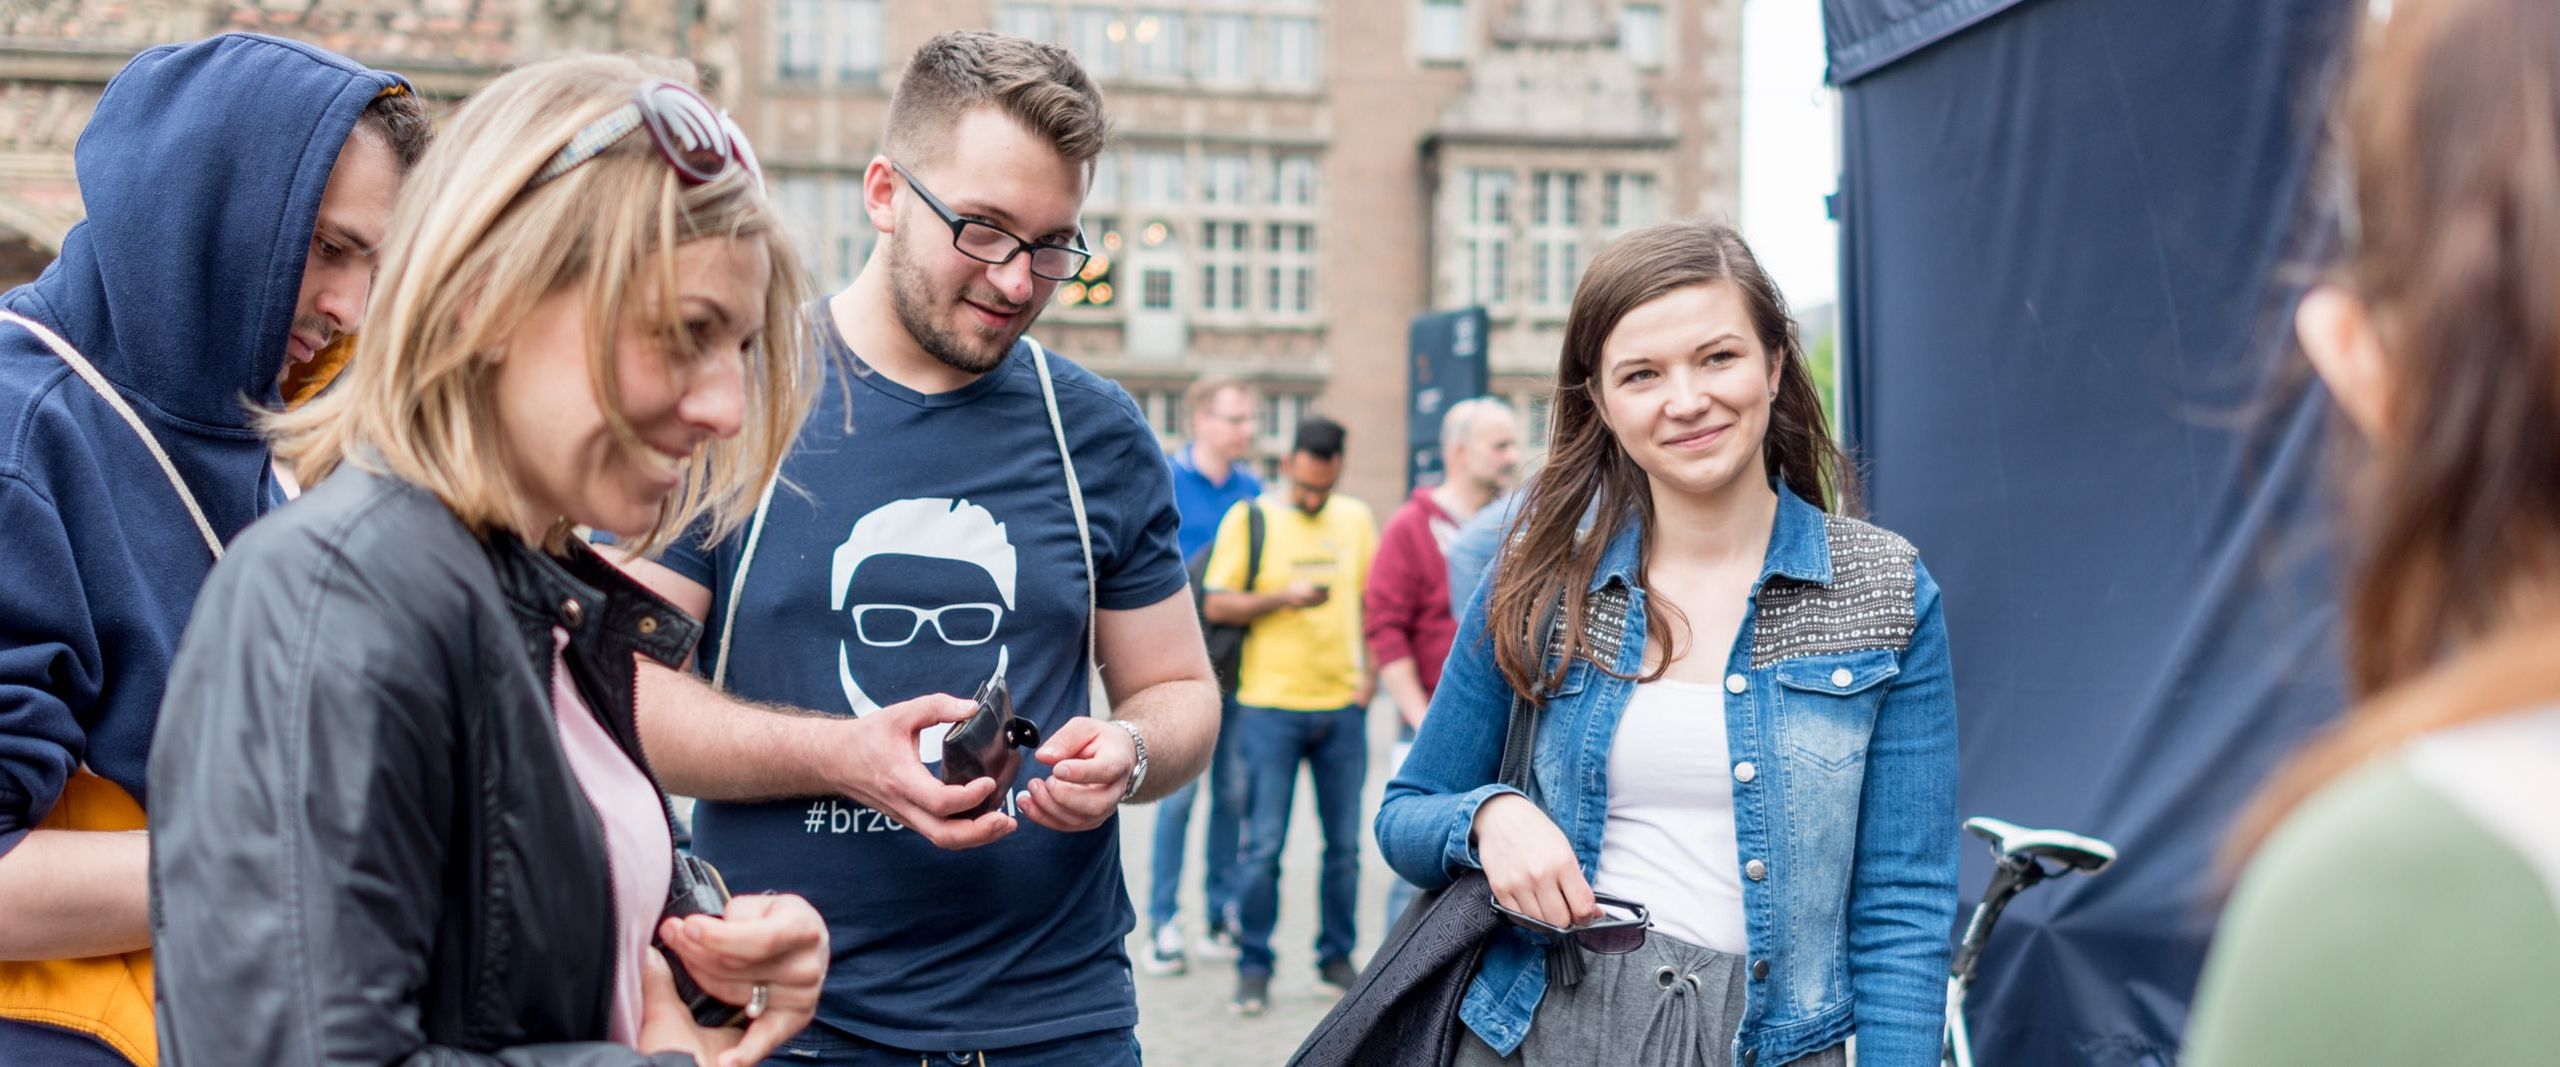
[[2382, 925]]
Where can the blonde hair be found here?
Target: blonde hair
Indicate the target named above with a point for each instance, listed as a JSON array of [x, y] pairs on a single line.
[[471, 250]]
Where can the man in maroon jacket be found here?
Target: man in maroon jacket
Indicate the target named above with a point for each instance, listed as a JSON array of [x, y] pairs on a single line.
[[1410, 619]]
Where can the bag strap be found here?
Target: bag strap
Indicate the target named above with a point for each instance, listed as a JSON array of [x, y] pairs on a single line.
[[738, 582], [106, 391], [1520, 739], [1084, 529], [1253, 533]]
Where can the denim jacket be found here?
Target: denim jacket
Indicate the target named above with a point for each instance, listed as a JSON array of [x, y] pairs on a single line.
[[1840, 715]]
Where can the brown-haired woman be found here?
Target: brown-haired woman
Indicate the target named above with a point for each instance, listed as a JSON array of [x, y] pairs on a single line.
[[1748, 727], [2398, 901]]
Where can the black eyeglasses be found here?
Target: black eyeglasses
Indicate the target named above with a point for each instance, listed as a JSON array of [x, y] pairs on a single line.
[[988, 243], [700, 141], [1609, 935]]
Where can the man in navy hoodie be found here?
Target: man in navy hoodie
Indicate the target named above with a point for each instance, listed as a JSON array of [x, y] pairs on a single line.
[[235, 188]]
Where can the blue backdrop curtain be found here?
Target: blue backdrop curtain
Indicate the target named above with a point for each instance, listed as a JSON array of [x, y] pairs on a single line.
[[2072, 232]]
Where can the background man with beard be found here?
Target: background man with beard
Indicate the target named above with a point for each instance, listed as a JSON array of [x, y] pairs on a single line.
[[1409, 614], [951, 937]]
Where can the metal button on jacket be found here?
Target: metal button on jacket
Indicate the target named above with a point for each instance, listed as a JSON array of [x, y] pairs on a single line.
[[1755, 870], [1841, 678], [1744, 772], [1736, 684], [572, 613], [1759, 969]]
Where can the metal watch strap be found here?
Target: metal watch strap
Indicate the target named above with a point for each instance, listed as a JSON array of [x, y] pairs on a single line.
[[1137, 773]]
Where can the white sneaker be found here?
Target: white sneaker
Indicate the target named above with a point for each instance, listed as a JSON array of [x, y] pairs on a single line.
[[1221, 943], [1164, 952]]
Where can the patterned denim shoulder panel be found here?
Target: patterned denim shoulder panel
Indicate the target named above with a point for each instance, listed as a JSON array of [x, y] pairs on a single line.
[[1604, 624], [1867, 605]]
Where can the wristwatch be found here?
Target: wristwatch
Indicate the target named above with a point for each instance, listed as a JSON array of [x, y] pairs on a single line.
[[1138, 773]]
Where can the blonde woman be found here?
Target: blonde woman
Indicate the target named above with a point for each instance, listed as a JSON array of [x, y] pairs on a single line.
[[401, 814]]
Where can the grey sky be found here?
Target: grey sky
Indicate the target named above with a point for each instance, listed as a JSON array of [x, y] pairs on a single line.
[[1789, 151]]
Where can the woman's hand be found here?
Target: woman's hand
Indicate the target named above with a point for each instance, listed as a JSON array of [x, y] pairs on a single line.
[[777, 940], [1529, 863], [666, 1025]]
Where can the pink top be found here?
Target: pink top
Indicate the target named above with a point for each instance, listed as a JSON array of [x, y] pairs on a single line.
[[638, 852]]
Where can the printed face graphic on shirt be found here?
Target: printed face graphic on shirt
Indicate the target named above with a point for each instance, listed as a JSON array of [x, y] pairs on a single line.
[[923, 588]]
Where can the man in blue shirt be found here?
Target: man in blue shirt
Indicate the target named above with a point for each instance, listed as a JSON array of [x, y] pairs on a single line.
[[1210, 475], [963, 506]]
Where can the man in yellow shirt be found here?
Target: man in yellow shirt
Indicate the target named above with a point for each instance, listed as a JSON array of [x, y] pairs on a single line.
[[1302, 694]]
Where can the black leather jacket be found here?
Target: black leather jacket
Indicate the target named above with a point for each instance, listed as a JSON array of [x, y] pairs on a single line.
[[367, 845]]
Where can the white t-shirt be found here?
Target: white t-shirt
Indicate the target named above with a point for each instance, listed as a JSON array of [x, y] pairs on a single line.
[[1669, 842]]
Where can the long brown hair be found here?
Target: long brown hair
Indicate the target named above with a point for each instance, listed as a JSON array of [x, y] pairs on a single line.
[[2450, 127], [1549, 557]]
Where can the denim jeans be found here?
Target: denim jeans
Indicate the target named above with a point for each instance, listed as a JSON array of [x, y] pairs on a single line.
[[1335, 747], [826, 1046], [1226, 780]]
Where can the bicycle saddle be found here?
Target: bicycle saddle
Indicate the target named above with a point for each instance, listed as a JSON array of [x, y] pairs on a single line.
[[2087, 855]]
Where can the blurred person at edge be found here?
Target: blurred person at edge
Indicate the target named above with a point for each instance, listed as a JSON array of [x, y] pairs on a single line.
[[1408, 614], [937, 546], [1212, 473], [2397, 904], [404, 815], [1302, 695], [1799, 862], [216, 175]]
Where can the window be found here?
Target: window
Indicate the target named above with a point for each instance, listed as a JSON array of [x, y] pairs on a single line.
[[1484, 240], [1158, 36], [1555, 237], [1035, 21], [1292, 57], [828, 42], [1280, 415], [1106, 178], [1626, 202], [826, 220], [1159, 176], [1095, 39], [1441, 32], [1293, 180], [1289, 273], [796, 52], [1640, 35], [1224, 247], [1158, 295], [1226, 48], [1224, 177], [1163, 410]]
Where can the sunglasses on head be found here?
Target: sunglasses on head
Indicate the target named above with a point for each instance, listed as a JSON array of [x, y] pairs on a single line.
[[1619, 929], [700, 141]]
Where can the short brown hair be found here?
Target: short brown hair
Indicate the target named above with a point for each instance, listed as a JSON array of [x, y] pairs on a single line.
[[1038, 85], [400, 119], [1205, 389]]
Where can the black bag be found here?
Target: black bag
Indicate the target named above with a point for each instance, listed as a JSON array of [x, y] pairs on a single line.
[[1226, 643], [1403, 1010]]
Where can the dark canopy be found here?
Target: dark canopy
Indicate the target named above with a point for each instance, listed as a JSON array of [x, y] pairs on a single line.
[[2067, 232]]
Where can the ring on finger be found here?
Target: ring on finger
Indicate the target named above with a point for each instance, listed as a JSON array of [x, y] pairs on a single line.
[[759, 1000]]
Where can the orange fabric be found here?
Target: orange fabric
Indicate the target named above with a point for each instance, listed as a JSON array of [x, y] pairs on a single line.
[[105, 997], [302, 381]]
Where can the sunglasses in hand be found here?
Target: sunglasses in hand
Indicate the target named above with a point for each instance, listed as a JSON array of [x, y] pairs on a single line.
[[1619, 929]]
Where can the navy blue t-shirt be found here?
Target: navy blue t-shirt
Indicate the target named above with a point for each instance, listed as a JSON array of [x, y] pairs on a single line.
[[920, 553]]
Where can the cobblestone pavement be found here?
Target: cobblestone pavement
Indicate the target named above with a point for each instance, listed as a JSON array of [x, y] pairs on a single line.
[[1183, 1020]]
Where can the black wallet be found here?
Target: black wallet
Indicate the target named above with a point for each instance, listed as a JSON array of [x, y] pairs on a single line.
[[695, 888], [986, 745]]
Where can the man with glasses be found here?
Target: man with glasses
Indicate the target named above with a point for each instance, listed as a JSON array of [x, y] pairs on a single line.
[[1211, 474], [965, 505]]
